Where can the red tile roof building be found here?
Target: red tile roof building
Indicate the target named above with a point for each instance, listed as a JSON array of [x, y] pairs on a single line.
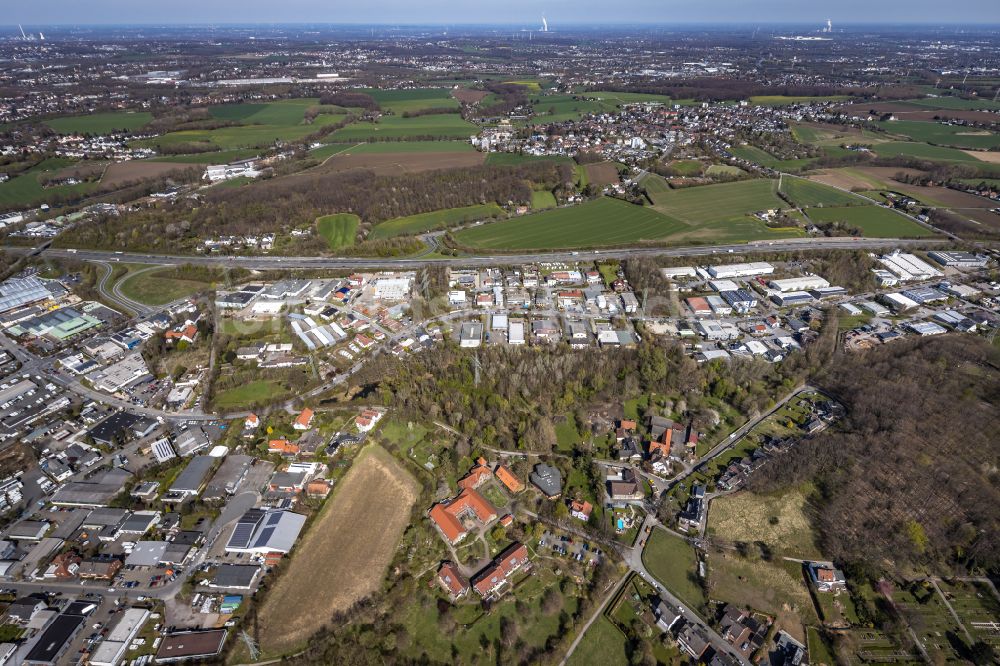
[[507, 478], [451, 580], [447, 516], [304, 420], [499, 571]]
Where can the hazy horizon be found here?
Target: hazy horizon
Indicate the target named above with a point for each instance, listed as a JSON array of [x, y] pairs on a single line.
[[514, 12]]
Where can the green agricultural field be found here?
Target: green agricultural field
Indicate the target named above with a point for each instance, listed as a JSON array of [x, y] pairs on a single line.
[[874, 221], [655, 186], [673, 562], [938, 133], [417, 99], [783, 100], [438, 126], [284, 112], [338, 229], [807, 193], [711, 203], [212, 157], [330, 149], [241, 136], [603, 221], [954, 103], [438, 219], [763, 158], [157, 288], [413, 147], [100, 123], [558, 108], [27, 190], [922, 151], [542, 199], [629, 97]]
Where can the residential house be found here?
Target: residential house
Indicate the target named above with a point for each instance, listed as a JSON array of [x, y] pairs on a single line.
[[283, 447], [580, 510], [304, 420], [507, 478], [367, 419], [479, 475], [826, 578], [452, 581], [491, 580], [693, 640]]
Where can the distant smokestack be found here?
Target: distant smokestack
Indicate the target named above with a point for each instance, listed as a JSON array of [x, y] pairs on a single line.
[[545, 25]]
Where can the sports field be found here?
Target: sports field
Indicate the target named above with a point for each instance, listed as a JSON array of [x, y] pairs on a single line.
[[437, 126], [806, 193], [874, 221], [438, 219], [709, 203], [344, 555], [338, 229], [100, 123], [603, 221], [630, 97], [941, 134]]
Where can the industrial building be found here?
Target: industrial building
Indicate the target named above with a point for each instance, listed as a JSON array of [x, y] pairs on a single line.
[[741, 270], [908, 267], [15, 293], [790, 298], [678, 271], [804, 283], [261, 532], [898, 302], [959, 259]]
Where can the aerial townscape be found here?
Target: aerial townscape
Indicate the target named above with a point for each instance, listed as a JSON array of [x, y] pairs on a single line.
[[388, 335]]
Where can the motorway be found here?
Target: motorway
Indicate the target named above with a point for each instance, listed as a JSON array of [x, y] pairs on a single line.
[[355, 263]]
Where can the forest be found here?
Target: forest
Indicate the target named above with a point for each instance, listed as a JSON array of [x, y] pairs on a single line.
[[911, 481], [295, 201]]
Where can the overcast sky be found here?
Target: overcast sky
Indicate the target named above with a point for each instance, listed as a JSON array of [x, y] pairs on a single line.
[[521, 12]]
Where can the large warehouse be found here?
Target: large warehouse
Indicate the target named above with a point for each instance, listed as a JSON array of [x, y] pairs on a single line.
[[262, 531], [741, 270]]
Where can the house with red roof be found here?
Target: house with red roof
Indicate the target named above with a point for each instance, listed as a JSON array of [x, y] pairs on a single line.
[[367, 419], [581, 510], [304, 420], [452, 581], [282, 446], [507, 478], [479, 475], [187, 334], [491, 580]]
